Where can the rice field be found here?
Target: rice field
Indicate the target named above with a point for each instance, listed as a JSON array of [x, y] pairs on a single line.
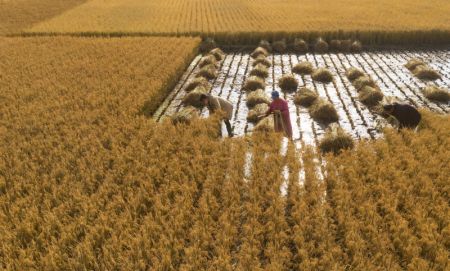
[[18, 15], [406, 18], [92, 177], [386, 67]]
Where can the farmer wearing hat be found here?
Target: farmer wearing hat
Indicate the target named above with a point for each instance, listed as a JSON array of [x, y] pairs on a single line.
[[281, 106], [407, 115], [214, 104]]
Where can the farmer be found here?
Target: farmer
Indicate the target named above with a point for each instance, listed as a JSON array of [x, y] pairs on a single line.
[[214, 104], [280, 105], [407, 115]]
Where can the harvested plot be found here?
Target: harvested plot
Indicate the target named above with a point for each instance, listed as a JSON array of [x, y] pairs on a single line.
[[384, 70], [407, 20]]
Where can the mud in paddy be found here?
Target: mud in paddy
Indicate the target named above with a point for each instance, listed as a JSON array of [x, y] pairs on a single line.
[[386, 67]]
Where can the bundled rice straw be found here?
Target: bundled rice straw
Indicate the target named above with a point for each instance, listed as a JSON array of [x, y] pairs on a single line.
[[193, 97], [300, 46], [323, 111], [345, 45], [370, 96], [207, 60], [436, 94], [426, 73], [260, 70], [335, 140], [279, 46], [265, 125], [356, 46], [322, 75], [353, 74], [253, 83], [217, 53], [305, 97], [363, 81], [266, 45], [257, 97], [207, 45], [413, 63], [258, 52], [262, 60], [288, 83], [186, 115], [257, 113], [321, 46], [335, 44], [209, 72], [199, 81], [304, 67]]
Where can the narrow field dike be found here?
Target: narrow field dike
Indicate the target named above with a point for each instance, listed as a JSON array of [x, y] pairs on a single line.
[[385, 67]]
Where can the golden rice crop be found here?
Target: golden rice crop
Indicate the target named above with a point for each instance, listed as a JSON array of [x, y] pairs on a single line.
[[260, 70], [323, 111], [305, 97], [253, 83], [18, 15], [257, 97], [87, 183], [196, 82], [226, 20]]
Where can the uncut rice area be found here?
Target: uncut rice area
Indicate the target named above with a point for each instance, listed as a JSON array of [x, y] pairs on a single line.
[[385, 67]]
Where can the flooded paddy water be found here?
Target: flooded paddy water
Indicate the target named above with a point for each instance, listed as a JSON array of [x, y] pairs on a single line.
[[386, 67]]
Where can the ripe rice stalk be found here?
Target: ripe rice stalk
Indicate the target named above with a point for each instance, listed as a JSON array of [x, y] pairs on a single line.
[[304, 67], [435, 93], [260, 70], [321, 46], [253, 83], [186, 115], [345, 45], [279, 46], [322, 75], [353, 74], [265, 125], [262, 60], [426, 73], [363, 81], [217, 53], [288, 83], [413, 63], [266, 45], [370, 96], [257, 97], [257, 112], [335, 140], [199, 81], [193, 97], [209, 72], [335, 44], [300, 46], [323, 111], [207, 60], [305, 97], [258, 52], [356, 46]]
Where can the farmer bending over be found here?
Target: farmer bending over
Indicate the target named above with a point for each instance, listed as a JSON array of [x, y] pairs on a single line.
[[280, 105], [407, 115], [214, 104]]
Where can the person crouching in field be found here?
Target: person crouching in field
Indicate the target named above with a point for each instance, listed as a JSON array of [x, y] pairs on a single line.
[[407, 115], [280, 105], [214, 104]]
